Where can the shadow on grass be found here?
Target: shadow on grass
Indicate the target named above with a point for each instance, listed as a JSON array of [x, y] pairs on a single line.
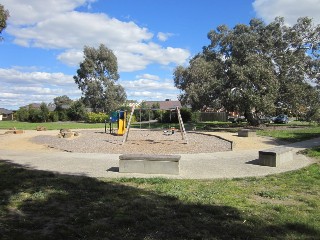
[[44, 205]]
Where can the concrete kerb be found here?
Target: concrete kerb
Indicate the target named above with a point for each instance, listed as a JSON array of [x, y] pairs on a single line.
[[192, 166]]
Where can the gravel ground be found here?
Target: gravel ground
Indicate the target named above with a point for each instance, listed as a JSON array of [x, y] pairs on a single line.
[[139, 141]]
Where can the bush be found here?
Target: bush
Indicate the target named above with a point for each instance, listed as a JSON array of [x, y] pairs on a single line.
[[22, 114], [97, 117], [77, 111], [54, 116]]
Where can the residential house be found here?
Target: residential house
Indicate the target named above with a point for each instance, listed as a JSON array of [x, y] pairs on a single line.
[[6, 114], [164, 105]]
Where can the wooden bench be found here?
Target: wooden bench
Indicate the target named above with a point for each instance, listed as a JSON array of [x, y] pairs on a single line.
[[247, 133], [149, 164], [274, 157]]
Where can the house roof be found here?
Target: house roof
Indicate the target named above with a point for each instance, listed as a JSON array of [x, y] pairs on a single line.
[[165, 105], [5, 111]]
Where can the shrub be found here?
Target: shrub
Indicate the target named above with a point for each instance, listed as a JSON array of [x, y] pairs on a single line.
[[54, 116], [97, 117]]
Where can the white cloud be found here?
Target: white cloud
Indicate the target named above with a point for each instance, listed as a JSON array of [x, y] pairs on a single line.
[[149, 76], [291, 10], [148, 87], [32, 11], [19, 88], [164, 36], [149, 84], [11, 75], [71, 57], [57, 25]]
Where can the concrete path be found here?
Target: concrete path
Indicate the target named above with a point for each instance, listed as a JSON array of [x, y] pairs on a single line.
[[233, 164]]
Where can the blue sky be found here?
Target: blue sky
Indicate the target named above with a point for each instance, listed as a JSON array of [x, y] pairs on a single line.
[[44, 40]]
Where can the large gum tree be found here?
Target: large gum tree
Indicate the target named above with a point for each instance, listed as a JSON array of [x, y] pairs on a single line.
[[254, 68], [97, 77], [4, 14]]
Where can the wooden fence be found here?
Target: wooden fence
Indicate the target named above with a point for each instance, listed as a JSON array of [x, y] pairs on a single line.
[[213, 116]]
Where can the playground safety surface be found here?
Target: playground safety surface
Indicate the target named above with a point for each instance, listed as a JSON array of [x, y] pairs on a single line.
[[241, 162]]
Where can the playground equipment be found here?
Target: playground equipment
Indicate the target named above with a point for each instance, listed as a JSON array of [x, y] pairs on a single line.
[[122, 123], [120, 118], [182, 128]]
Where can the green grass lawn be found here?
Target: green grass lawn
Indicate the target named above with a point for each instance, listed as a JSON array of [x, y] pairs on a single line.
[[49, 125], [44, 205], [292, 134]]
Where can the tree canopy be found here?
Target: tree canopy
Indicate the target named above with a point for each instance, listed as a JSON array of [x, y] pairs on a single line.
[[253, 68], [96, 79], [4, 14], [60, 101]]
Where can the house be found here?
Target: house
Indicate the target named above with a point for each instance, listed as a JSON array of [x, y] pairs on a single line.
[[164, 105], [6, 114]]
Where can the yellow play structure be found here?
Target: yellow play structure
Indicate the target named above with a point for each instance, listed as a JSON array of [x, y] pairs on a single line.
[[122, 123]]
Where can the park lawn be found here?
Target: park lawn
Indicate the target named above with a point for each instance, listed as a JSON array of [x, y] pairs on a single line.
[[45, 205], [292, 134], [49, 125]]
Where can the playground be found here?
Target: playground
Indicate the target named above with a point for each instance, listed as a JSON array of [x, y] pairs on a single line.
[[139, 141]]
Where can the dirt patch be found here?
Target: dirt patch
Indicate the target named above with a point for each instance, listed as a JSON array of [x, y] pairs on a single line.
[[23, 141]]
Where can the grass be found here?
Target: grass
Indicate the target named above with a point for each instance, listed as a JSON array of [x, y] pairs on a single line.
[[44, 205], [292, 134], [50, 125]]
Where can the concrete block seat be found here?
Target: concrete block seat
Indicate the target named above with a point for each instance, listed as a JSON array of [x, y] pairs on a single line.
[[247, 133], [274, 157], [149, 163]]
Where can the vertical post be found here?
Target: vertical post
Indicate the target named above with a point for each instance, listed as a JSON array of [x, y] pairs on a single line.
[[182, 129], [128, 127], [140, 117]]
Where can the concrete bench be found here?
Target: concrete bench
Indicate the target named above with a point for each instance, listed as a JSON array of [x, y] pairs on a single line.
[[247, 133], [149, 163], [274, 157]]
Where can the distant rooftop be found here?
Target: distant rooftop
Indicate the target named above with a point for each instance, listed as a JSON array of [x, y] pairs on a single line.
[[165, 105], [5, 111]]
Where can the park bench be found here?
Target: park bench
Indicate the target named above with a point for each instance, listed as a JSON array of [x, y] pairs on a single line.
[[274, 157], [149, 163], [247, 133]]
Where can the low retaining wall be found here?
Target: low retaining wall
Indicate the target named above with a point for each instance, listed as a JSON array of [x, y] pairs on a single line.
[[149, 164]]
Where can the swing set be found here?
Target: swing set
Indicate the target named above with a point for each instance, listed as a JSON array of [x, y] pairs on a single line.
[[126, 131]]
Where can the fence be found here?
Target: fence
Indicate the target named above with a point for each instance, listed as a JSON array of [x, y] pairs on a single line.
[[213, 116]]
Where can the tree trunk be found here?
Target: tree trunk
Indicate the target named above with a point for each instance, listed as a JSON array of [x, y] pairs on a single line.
[[252, 119]]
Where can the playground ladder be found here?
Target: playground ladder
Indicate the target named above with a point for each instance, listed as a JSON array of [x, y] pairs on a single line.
[[128, 127], [182, 129]]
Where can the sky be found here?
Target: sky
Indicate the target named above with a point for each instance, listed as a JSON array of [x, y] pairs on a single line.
[[44, 40]]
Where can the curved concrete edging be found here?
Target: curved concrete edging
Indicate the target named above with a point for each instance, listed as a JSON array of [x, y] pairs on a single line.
[[232, 164]]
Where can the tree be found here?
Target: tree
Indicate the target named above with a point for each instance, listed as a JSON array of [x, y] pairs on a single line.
[[96, 78], [44, 112], [61, 101], [253, 68], [22, 114], [77, 111], [4, 14]]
